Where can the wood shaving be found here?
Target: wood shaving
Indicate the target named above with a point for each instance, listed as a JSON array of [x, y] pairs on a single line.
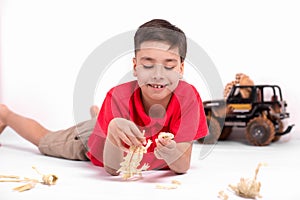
[[176, 182], [247, 187], [48, 179], [173, 185], [9, 176], [222, 195], [27, 186], [131, 162], [166, 186], [165, 135]]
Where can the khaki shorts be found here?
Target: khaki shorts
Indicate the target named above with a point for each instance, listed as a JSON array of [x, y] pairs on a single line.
[[70, 143]]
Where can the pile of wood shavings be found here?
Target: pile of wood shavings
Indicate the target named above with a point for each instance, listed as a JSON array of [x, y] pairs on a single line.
[[246, 188], [48, 179]]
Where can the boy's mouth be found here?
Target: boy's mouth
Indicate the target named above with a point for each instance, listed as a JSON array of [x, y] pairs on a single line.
[[157, 86]]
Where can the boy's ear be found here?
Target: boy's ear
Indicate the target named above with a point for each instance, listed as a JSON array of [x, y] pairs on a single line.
[[181, 69], [134, 66]]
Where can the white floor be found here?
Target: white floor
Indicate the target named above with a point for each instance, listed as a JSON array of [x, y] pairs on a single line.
[[213, 168]]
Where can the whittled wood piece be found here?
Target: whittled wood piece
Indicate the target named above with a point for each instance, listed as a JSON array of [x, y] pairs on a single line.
[[248, 187], [130, 165]]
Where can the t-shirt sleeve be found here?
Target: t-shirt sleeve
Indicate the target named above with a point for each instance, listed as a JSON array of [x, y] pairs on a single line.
[[202, 124], [190, 122]]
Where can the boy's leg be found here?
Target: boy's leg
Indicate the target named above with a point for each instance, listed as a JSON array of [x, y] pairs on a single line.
[[27, 128], [69, 143]]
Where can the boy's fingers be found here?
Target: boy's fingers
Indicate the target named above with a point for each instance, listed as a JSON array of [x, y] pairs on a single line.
[[157, 154], [118, 143], [138, 135], [123, 136], [135, 140], [130, 138]]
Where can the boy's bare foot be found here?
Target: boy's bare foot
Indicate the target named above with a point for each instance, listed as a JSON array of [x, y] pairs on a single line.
[[94, 110]]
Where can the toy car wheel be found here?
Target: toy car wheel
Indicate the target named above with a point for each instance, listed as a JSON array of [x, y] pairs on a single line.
[[225, 132], [260, 131], [214, 131]]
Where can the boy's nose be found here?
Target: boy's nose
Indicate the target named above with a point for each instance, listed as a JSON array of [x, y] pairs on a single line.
[[158, 72]]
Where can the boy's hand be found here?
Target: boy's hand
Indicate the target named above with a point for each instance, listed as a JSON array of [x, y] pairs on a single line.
[[123, 130], [165, 148], [176, 155]]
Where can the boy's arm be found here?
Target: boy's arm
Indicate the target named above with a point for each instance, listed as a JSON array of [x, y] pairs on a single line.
[[176, 155], [182, 163], [112, 157]]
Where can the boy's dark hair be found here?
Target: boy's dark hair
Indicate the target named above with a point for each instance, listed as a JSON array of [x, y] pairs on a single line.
[[161, 30]]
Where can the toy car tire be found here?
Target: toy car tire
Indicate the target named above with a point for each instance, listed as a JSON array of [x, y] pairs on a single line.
[[260, 131]]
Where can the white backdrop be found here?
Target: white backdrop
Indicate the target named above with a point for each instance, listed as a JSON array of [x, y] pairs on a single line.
[[45, 43]]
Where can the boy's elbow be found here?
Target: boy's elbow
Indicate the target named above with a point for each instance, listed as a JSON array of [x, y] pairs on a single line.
[[111, 171], [179, 172], [181, 169]]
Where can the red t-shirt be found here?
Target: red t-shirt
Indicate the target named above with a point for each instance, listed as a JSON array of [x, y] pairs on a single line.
[[184, 117]]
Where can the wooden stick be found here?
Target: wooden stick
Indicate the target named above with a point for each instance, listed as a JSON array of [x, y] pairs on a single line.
[[9, 176]]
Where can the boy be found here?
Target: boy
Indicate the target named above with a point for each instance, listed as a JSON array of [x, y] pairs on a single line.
[[158, 101]]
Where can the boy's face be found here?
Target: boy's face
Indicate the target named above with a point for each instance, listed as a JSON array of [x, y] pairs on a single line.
[[158, 70]]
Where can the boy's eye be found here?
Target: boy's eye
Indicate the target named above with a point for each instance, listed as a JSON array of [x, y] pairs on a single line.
[[148, 66], [151, 66], [169, 67]]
